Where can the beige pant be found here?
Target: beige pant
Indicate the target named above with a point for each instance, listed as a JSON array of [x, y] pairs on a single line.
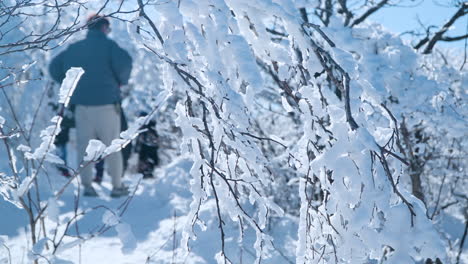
[[98, 122]]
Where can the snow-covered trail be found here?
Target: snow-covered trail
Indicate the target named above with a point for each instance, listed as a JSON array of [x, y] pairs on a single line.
[[156, 216], [150, 216]]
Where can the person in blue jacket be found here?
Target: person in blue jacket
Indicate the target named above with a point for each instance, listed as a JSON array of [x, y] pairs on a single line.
[[97, 96]]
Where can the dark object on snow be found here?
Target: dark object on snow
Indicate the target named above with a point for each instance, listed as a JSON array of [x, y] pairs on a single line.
[[430, 261], [64, 171], [147, 148]]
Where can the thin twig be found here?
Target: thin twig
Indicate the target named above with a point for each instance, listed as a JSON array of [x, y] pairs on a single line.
[[465, 55], [463, 10], [369, 12], [462, 243]]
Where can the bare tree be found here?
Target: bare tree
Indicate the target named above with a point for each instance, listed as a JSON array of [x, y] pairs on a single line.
[[441, 34], [356, 12]]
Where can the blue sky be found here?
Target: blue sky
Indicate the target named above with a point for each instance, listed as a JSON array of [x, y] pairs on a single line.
[[401, 19]]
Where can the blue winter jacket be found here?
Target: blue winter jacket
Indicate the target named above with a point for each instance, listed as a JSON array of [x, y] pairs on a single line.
[[106, 66]]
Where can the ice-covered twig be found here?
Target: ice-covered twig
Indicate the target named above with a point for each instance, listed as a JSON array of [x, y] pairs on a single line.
[[410, 206], [320, 31], [341, 80], [43, 152]]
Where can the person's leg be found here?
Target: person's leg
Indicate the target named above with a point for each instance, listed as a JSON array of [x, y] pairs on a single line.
[[62, 153], [99, 171], [108, 130], [84, 132], [127, 151], [62, 139]]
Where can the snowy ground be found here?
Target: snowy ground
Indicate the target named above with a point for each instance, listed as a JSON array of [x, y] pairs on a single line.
[[156, 217]]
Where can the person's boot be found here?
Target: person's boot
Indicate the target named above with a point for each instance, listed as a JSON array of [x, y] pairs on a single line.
[[89, 191], [119, 192], [145, 167], [64, 172]]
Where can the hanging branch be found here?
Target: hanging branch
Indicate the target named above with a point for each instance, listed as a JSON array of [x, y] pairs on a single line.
[[396, 136], [341, 80], [320, 31], [153, 26], [386, 168], [211, 180]]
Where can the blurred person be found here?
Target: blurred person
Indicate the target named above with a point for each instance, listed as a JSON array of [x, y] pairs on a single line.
[[97, 96], [147, 148]]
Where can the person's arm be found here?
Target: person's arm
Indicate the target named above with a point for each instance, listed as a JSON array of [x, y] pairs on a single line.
[[56, 68], [121, 63]]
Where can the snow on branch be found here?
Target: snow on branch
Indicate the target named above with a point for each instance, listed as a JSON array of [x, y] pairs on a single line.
[[223, 58], [45, 151], [68, 86]]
